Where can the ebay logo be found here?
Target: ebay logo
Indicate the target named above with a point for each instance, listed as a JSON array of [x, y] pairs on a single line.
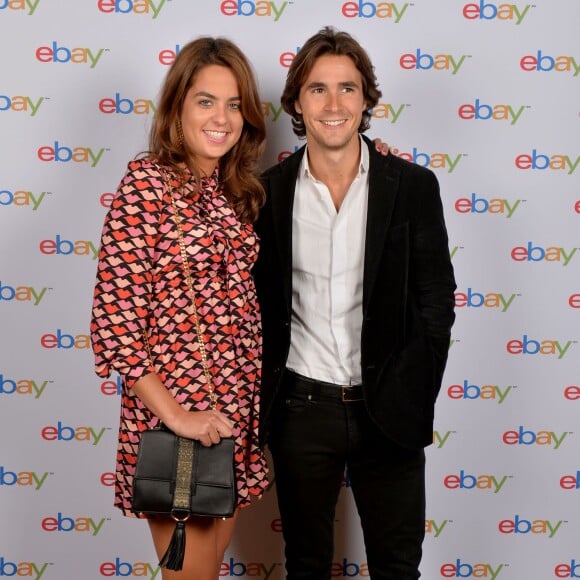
[[23, 104], [461, 569], [368, 9], [22, 569], [493, 11], [250, 8], [56, 53], [131, 7]]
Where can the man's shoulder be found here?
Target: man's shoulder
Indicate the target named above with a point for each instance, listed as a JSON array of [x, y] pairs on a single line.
[[289, 164], [395, 164]]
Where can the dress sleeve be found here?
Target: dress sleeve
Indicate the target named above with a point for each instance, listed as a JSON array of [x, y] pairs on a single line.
[[123, 286]]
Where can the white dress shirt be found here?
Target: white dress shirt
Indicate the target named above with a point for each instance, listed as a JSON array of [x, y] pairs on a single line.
[[328, 249]]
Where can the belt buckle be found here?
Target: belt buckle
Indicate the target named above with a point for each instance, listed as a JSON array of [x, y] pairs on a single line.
[[343, 395]]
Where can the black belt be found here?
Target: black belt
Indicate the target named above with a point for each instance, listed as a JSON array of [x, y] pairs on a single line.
[[321, 389]]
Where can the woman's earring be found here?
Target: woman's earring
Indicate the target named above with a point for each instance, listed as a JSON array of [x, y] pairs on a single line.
[[180, 137]]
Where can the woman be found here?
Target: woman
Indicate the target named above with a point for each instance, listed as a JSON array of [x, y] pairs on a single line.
[[205, 140]]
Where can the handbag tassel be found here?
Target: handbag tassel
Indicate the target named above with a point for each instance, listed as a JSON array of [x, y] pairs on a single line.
[[173, 557]]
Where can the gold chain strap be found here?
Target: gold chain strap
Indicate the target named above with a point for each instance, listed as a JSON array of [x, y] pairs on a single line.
[[187, 272]]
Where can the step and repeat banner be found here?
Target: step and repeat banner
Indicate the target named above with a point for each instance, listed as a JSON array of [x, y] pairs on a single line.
[[485, 93]]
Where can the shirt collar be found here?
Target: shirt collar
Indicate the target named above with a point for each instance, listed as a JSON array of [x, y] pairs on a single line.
[[363, 165]]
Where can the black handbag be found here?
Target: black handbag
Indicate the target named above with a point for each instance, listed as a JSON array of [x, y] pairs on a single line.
[[179, 477], [205, 474]]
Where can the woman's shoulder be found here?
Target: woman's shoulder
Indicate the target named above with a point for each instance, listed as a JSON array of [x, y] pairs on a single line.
[[148, 171], [151, 170], [145, 166], [143, 182]]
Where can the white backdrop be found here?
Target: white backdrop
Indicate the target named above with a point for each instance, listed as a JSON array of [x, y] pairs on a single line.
[[484, 92]]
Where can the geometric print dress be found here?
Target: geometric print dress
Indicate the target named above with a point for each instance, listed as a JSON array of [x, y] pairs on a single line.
[[141, 296]]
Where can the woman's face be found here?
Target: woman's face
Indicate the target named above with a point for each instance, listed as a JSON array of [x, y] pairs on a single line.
[[211, 117]]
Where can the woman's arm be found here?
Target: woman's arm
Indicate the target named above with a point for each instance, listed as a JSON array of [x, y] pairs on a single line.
[[205, 426]]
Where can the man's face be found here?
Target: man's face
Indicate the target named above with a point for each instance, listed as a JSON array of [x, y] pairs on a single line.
[[331, 102]]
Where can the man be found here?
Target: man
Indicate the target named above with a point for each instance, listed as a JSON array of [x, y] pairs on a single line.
[[356, 289]]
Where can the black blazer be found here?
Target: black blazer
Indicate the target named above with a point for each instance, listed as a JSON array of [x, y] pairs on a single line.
[[408, 293]]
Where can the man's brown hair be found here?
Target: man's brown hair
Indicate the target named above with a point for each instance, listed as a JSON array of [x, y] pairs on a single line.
[[329, 42]]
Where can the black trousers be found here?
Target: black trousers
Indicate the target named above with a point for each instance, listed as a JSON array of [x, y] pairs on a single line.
[[314, 437]]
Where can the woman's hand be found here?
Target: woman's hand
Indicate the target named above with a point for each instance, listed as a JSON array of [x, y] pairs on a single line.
[[208, 427], [381, 147]]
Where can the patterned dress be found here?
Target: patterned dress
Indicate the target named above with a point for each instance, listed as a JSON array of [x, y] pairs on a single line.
[[141, 287]]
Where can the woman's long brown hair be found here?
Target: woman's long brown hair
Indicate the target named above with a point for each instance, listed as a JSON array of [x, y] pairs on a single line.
[[238, 167]]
